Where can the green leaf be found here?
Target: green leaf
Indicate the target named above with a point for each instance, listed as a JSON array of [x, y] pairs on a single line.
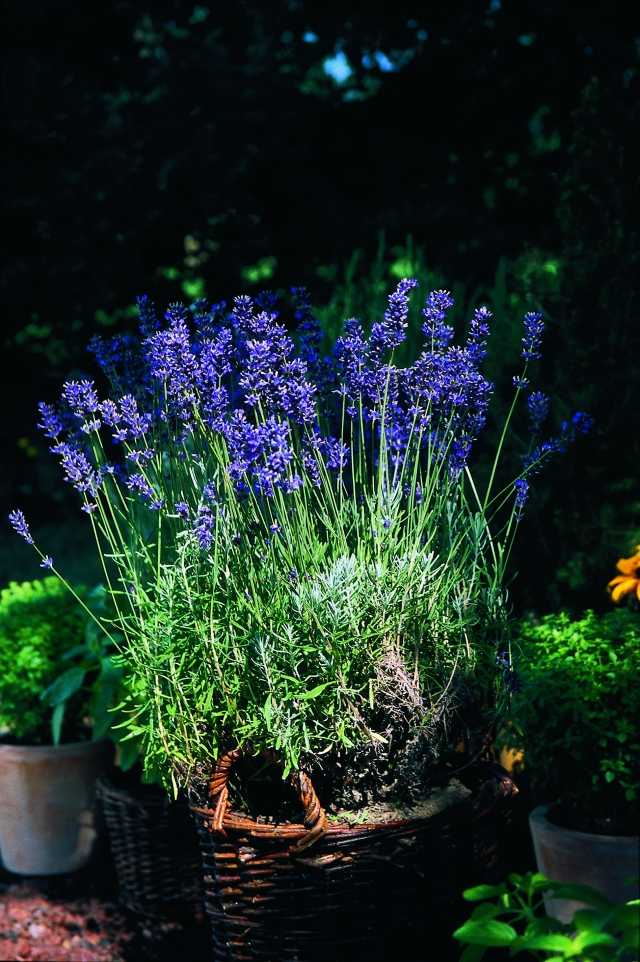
[[551, 942], [487, 932], [56, 722], [486, 911], [315, 691], [74, 652], [65, 685], [579, 893], [586, 940], [472, 953], [479, 892]]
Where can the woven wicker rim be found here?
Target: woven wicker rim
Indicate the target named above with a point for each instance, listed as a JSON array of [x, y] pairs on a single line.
[[219, 818]]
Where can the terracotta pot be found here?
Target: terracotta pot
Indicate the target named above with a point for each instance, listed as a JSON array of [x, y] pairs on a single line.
[[608, 863], [46, 805]]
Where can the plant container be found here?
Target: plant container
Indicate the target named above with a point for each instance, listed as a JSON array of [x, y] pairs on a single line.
[[608, 863], [313, 891], [154, 847], [47, 823]]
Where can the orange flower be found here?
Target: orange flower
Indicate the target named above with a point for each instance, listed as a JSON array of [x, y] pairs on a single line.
[[628, 581]]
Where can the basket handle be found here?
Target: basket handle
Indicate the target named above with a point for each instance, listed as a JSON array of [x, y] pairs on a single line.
[[315, 819]]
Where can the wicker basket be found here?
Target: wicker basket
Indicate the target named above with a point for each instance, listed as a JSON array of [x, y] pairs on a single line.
[[322, 892], [155, 850]]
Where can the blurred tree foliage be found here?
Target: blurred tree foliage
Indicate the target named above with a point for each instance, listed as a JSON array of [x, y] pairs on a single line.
[[182, 147]]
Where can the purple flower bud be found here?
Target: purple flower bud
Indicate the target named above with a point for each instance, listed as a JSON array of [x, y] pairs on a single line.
[[538, 404], [521, 487], [533, 330], [20, 526]]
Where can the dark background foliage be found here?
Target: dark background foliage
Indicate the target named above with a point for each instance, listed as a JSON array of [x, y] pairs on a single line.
[[179, 147]]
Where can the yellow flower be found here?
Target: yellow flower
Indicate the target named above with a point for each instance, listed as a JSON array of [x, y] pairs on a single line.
[[628, 581]]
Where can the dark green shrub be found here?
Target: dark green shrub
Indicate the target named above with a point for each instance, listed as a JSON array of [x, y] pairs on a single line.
[[39, 622], [577, 707]]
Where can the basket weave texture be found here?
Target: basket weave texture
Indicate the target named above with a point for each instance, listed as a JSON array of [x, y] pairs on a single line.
[[155, 850], [322, 892]]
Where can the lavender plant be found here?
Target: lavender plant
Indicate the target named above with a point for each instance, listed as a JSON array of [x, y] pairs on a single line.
[[298, 553]]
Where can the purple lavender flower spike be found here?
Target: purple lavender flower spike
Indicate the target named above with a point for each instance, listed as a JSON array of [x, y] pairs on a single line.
[[82, 397], [50, 421], [47, 562], [182, 510], [478, 334], [204, 527], [582, 423], [391, 332], [147, 314], [538, 405], [533, 331], [521, 487], [20, 525], [78, 470], [434, 313], [520, 383]]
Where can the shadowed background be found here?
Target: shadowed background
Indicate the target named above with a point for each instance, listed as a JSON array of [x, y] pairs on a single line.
[[192, 149]]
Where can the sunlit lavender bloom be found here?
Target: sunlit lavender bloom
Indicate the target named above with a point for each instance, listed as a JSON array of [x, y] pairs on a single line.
[[78, 470], [310, 463], [533, 461], [136, 424], [434, 313], [521, 487], [391, 331], [20, 525], [50, 421], [209, 492], [478, 334], [82, 397], [110, 413], [89, 507], [275, 527], [520, 383], [334, 450], [92, 425], [172, 361], [533, 330], [182, 510], [204, 527], [138, 483], [459, 455], [141, 457], [47, 562], [538, 405]]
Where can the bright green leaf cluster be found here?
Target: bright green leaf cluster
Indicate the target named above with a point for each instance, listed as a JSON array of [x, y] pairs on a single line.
[[577, 709], [39, 622], [512, 916]]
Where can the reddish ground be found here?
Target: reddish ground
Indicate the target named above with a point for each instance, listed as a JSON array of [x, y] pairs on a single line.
[[45, 926]]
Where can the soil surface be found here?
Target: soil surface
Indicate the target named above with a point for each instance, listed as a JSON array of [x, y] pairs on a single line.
[[77, 919], [380, 812]]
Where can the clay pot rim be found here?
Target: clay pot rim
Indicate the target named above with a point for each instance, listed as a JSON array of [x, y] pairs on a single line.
[[538, 817], [20, 752]]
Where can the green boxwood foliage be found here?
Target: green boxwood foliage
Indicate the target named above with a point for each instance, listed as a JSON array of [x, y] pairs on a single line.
[[577, 708], [39, 622]]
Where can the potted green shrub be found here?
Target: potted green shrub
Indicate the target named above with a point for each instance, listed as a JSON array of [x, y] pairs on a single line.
[[309, 581], [575, 713], [511, 917], [52, 680]]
